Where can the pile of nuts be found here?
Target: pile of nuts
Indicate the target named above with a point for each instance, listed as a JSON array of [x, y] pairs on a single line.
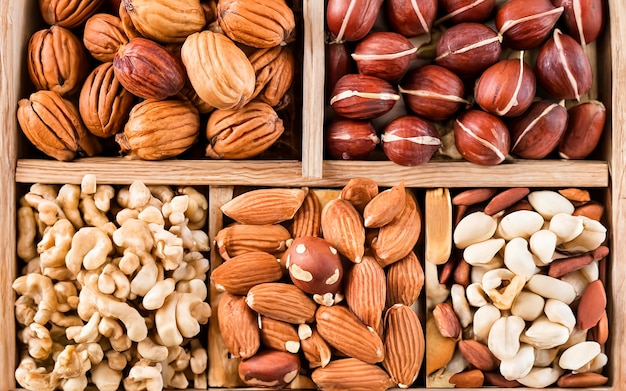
[[485, 82], [113, 289], [319, 284], [144, 76], [521, 301]]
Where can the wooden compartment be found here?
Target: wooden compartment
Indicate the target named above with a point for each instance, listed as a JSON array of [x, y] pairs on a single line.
[[607, 173]]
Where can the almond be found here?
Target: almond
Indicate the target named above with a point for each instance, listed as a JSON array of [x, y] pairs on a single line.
[[316, 350], [238, 326], [281, 301], [244, 271], [505, 198], [446, 320], [342, 227], [359, 191], [344, 331], [237, 239], [265, 206], [496, 379], [600, 331], [580, 196], [307, 220], [351, 374], [397, 239], [365, 289], [384, 206], [468, 379], [278, 335], [587, 379], [591, 306], [405, 280], [592, 209], [473, 196], [404, 345], [478, 355]]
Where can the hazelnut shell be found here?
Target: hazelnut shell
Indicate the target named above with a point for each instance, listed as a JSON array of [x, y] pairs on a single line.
[[481, 138], [350, 139], [538, 131], [410, 140]]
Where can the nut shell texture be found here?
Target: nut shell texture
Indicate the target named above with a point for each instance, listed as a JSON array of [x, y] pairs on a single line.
[[538, 131], [525, 24], [351, 20], [411, 17], [218, 70], [166, 21], [384, 54], [68, 14], [358, 96], [481, 138], [410, 140]]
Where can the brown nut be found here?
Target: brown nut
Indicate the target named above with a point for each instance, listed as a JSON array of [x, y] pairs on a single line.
[[446, 320], [478, 355], [584, 129], [460, 11], [315, 267], [472, 378], [350, 139], [104, 104], [468, 48], [592, 305], [539, 130], [148, 70], [68, 14], [242, 133], [384, 54], [582, 18], [338, 64], [351, 20], [505, 199], [238, 325], [562, 68], [342, 227], [274, 69], [351, 374], [365, 289], [57, 60], [507, 88], [411, 18], [359, 191], [357, 96], [240, 273], [525, 24], [410, 140], [582, 380], [103, 35], [53, 125], [269, 368], [481, 138], [257, 23], [433, 92], [404, 344], [159, 130]]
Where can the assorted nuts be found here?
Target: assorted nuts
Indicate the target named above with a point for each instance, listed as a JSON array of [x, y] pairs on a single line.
[[500, 58]]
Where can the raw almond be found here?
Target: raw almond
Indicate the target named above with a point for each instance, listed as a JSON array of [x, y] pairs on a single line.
[[307, 220], [237, 239], [404, 345], [342, 227], [446, 320], [343, 330], [359, 191], [279, 335], [244, 271], [587, 379], [591, 306], [281, 301], [473, 196], [384, 206], [316, 350], [505, 198], [576, 195], [405, 280], [593, 210], [351, 374], [265, 206], [365, 289], [397, 239], [496, 379], [468, 379], [478, 355], [238, 326]]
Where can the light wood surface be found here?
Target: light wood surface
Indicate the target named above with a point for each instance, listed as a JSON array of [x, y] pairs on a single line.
[[312, 170]]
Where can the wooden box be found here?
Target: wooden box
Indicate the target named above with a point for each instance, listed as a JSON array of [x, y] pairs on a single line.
[[607, 174]]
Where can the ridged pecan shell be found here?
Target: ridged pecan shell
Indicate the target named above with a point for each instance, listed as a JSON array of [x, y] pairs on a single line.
[[103, 35], [159, 129], [148, 70], [242, 133], [57, 60], [104, 103], [274, 69], [257, 23], [53, 125], [165, 20], [68, 13]]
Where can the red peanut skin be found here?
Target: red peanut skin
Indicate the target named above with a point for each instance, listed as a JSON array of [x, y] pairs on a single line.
[[360, 16]]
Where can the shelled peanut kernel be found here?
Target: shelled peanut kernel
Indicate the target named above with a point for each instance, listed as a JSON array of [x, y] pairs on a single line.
[[526, 280]]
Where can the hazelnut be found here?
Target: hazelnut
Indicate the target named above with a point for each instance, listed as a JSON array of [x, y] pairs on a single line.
[[525, 24], [351, 20], [562, 68], [359, 96], [538, 131], [584, 128], [460, 11], [338, 64], [384, 54], [481, 138], [350, 139], [582, 18], [410, 140], [433, 92], [468, 48], [411, 17], [506, 88], [315, 267]]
